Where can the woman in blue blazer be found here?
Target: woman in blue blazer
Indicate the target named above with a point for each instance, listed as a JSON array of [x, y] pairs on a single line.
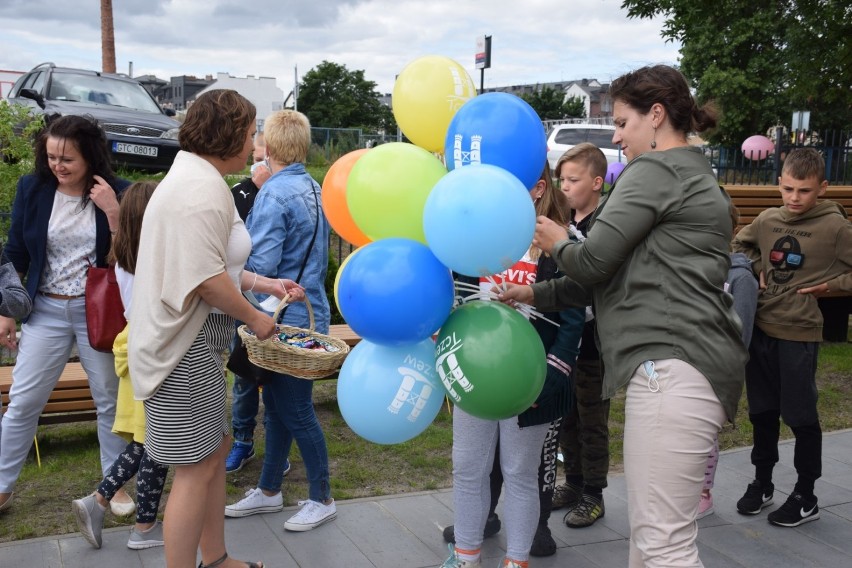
[[62, 220]]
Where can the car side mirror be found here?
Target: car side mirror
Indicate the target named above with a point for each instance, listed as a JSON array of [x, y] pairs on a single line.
[[169, 111], [32, 94]]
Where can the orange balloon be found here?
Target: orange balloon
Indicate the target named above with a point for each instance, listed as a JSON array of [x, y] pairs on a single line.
[[334, 199]]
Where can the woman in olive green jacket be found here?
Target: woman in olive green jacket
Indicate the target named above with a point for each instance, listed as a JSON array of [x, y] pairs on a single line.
[[654, 266]]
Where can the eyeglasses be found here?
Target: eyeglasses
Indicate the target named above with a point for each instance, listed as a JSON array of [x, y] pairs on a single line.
[[794, 260]]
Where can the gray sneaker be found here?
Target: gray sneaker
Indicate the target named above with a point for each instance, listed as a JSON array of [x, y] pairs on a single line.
[[140, 540], [587, 511], [90, 518]]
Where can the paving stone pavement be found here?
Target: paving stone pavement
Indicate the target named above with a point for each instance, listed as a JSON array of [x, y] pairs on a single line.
[[404, 531]]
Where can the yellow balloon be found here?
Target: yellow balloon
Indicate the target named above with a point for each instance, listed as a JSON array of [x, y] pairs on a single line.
[[427, 95], [337, 277]]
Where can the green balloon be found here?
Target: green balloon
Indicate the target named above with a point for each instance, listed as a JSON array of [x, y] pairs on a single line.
[[387, 189], [490, 360]]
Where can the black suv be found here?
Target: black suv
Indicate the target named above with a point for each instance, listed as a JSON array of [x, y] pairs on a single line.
[[139, 133]]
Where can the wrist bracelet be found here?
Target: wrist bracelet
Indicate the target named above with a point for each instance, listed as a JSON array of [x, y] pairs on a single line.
[[253, 283]]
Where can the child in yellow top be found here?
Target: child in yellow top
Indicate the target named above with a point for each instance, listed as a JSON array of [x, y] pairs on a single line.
[[129, 414]]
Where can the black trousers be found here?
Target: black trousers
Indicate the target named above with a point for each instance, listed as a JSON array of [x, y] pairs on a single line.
[[781, 384]]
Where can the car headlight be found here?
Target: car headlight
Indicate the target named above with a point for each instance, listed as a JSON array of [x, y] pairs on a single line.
[[171, 134]]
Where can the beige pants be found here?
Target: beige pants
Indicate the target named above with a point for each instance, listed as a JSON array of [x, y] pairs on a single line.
[[672, 416]]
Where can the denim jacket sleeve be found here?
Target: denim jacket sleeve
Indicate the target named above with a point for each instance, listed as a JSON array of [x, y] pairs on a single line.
[[268, 229]]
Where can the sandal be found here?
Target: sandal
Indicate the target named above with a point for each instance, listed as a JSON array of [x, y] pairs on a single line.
[[225, 557]]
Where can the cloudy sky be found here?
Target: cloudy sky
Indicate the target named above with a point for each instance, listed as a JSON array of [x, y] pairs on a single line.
[[533, 40]]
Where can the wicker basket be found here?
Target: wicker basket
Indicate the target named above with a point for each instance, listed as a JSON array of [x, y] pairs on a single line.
[[290, 359]]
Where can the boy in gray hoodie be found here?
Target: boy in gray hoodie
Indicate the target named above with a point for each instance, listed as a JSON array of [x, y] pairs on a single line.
[[800, 252]]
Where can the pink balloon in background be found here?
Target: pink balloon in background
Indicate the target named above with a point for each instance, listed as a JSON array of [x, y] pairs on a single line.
[[757, 147]]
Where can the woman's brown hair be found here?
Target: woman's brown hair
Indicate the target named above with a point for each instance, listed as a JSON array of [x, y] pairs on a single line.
[[643, 88], [217, 124], [125, 242], [552, 204], [90, 140]]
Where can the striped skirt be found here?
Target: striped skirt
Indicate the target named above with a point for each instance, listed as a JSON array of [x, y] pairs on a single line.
[[186, 416]]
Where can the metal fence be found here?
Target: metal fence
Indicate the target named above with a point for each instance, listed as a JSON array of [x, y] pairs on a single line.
[[331, 143], [733, 166], [730, 163]]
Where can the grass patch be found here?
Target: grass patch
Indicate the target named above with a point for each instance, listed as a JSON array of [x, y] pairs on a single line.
[[71, 467]]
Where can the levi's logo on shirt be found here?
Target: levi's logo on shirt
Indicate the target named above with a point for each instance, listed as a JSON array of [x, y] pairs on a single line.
[[522, 272]]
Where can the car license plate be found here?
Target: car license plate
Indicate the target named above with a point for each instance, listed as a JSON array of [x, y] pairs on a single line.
[[137, 149]]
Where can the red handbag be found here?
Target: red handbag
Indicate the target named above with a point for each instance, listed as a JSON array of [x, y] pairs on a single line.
[[104, 310]]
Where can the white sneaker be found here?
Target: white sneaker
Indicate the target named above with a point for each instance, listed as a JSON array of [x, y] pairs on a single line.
[[312, 515], [255, 502]]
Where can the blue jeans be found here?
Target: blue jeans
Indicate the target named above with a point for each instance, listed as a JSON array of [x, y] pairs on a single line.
[[290, 415], [244, 409]]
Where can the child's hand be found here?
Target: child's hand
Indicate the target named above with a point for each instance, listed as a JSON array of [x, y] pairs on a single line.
[[761, 281], [8, 333], [817, 291]]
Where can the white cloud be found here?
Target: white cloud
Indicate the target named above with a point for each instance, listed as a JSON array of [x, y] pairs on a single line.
[[533, 41]]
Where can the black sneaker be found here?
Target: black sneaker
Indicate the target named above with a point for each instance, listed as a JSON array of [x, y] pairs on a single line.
[[543, 543], [756, 498], [566, 495], [795, 511], [492, 527]]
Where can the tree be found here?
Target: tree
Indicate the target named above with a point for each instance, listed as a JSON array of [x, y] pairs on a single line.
[[551, 104], [332, 96], [574, 107], [759, 60], [107, 37]]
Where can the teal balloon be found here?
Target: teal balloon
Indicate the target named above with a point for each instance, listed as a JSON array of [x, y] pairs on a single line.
[[479, 220], [490, 360], [389, 395]]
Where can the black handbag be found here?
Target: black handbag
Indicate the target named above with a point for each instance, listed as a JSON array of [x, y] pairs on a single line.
[[238, 362]]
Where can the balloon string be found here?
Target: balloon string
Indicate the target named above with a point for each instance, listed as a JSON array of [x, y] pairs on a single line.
[[480, 294]]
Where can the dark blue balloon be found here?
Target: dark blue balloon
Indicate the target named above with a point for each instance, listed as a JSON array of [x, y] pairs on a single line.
[[395, 291], [498, 129]]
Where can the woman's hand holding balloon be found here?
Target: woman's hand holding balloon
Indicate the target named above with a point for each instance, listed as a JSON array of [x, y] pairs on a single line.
[[514, 293], [548, 233]]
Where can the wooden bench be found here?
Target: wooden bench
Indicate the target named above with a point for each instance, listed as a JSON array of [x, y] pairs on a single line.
[[70, 401], [751, 200], [344, 333]]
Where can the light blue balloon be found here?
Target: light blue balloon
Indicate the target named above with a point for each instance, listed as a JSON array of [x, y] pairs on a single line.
[[389, 395], [479, 220], [394, 291], [498, 129]]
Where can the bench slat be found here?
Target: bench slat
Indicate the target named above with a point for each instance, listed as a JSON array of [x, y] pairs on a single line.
[[70, 401], [344, 333]]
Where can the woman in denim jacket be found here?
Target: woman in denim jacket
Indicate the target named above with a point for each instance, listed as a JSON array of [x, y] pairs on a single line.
[[288, 228]]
